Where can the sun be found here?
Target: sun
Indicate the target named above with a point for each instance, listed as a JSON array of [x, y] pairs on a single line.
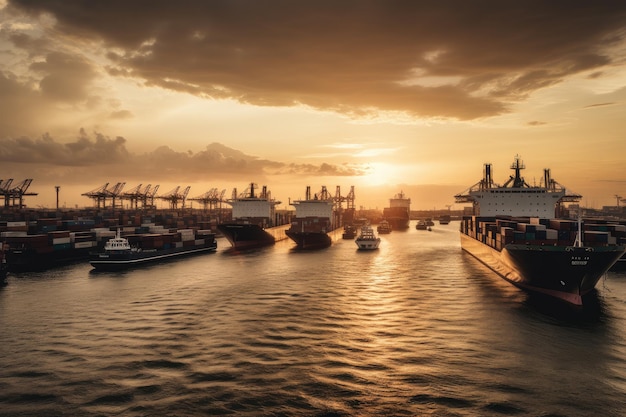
[[382, 173]]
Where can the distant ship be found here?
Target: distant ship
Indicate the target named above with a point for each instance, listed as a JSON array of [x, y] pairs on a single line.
[[384, 227], [398, 212], [251, 217], [515, 232], [314, 220], [134, 250], [349, 232]]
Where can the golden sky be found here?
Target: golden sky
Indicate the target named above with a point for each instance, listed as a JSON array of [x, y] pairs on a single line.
[[380, 95]]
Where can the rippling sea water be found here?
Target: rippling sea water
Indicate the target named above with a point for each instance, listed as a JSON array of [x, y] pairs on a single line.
[[417, 328]]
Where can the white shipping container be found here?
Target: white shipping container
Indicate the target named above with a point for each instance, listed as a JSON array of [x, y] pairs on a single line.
[[61, 240], [81, 245]]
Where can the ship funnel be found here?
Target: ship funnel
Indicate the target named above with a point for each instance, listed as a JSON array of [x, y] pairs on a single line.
[[488, 180], [546, 177]]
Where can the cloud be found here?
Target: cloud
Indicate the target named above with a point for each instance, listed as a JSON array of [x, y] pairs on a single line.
[[65, 77], [92, 157], [354, 57]]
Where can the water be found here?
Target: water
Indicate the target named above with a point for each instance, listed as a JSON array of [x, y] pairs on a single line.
[[416, 328]]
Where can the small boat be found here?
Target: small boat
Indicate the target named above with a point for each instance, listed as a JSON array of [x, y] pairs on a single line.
[[384, 227], [429, 221], [118, 253], [349, 232], [367, 240], [444, 219], [421, 225]]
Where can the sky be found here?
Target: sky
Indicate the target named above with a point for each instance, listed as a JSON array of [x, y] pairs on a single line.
[[386, 96]]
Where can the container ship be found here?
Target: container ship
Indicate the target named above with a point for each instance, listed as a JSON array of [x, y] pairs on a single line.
[[131, 250], [45, 247], [313, 221], [252, 219], [515, 231], [43, 242], [398, 212]]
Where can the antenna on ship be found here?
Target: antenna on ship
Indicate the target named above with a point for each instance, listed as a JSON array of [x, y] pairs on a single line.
[[578, 243]]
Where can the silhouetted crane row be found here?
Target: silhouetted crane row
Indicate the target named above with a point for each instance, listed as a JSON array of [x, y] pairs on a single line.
[[138, 195], [101, 194], [174, 197], [14, 196], [210, 200]]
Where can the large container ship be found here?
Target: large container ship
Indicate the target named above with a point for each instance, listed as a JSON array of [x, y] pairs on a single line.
[[398, 212], [253, 217], [40, 251], [313, 221], [34, 241], [131, 250], [515, 231]]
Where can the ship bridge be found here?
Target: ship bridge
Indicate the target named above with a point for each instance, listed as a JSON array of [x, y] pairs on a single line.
[[516, 197]]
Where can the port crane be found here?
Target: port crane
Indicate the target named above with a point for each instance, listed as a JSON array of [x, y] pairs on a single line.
[[174, 197], [101, 194], [210, 200], [138, 195], [13, 195]]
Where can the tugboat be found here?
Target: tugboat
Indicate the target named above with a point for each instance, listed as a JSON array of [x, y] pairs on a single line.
[[515, 231], [313, 221], [119, 254], [252, 218], [398, 212], [421, 225], [383, 227], [367, 239], [349, 232]]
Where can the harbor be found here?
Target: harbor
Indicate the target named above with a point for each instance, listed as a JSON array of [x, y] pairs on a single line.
[[416, 327]]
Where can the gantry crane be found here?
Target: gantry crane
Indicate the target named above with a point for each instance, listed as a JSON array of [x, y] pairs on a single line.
[[98, 195], [13, 195], [210, 200], [174, 197], [101, 194], [133, 196]]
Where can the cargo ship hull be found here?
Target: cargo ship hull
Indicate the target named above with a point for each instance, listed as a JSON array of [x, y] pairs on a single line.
[[564, 272], [309, 240], [397, 217], [398, 212], [246, 236], [27, 260], [119, 261]]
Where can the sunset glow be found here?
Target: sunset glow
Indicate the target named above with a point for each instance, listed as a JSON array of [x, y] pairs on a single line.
[[380, 95]]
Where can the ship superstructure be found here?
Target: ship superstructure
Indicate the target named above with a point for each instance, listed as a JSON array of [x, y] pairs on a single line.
[[515, 231]]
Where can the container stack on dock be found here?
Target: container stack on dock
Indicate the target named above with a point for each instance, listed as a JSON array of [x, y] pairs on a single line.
[[36, 240]]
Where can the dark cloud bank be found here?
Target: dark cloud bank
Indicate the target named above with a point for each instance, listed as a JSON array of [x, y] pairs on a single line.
[[355, 56], [93, 157]]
